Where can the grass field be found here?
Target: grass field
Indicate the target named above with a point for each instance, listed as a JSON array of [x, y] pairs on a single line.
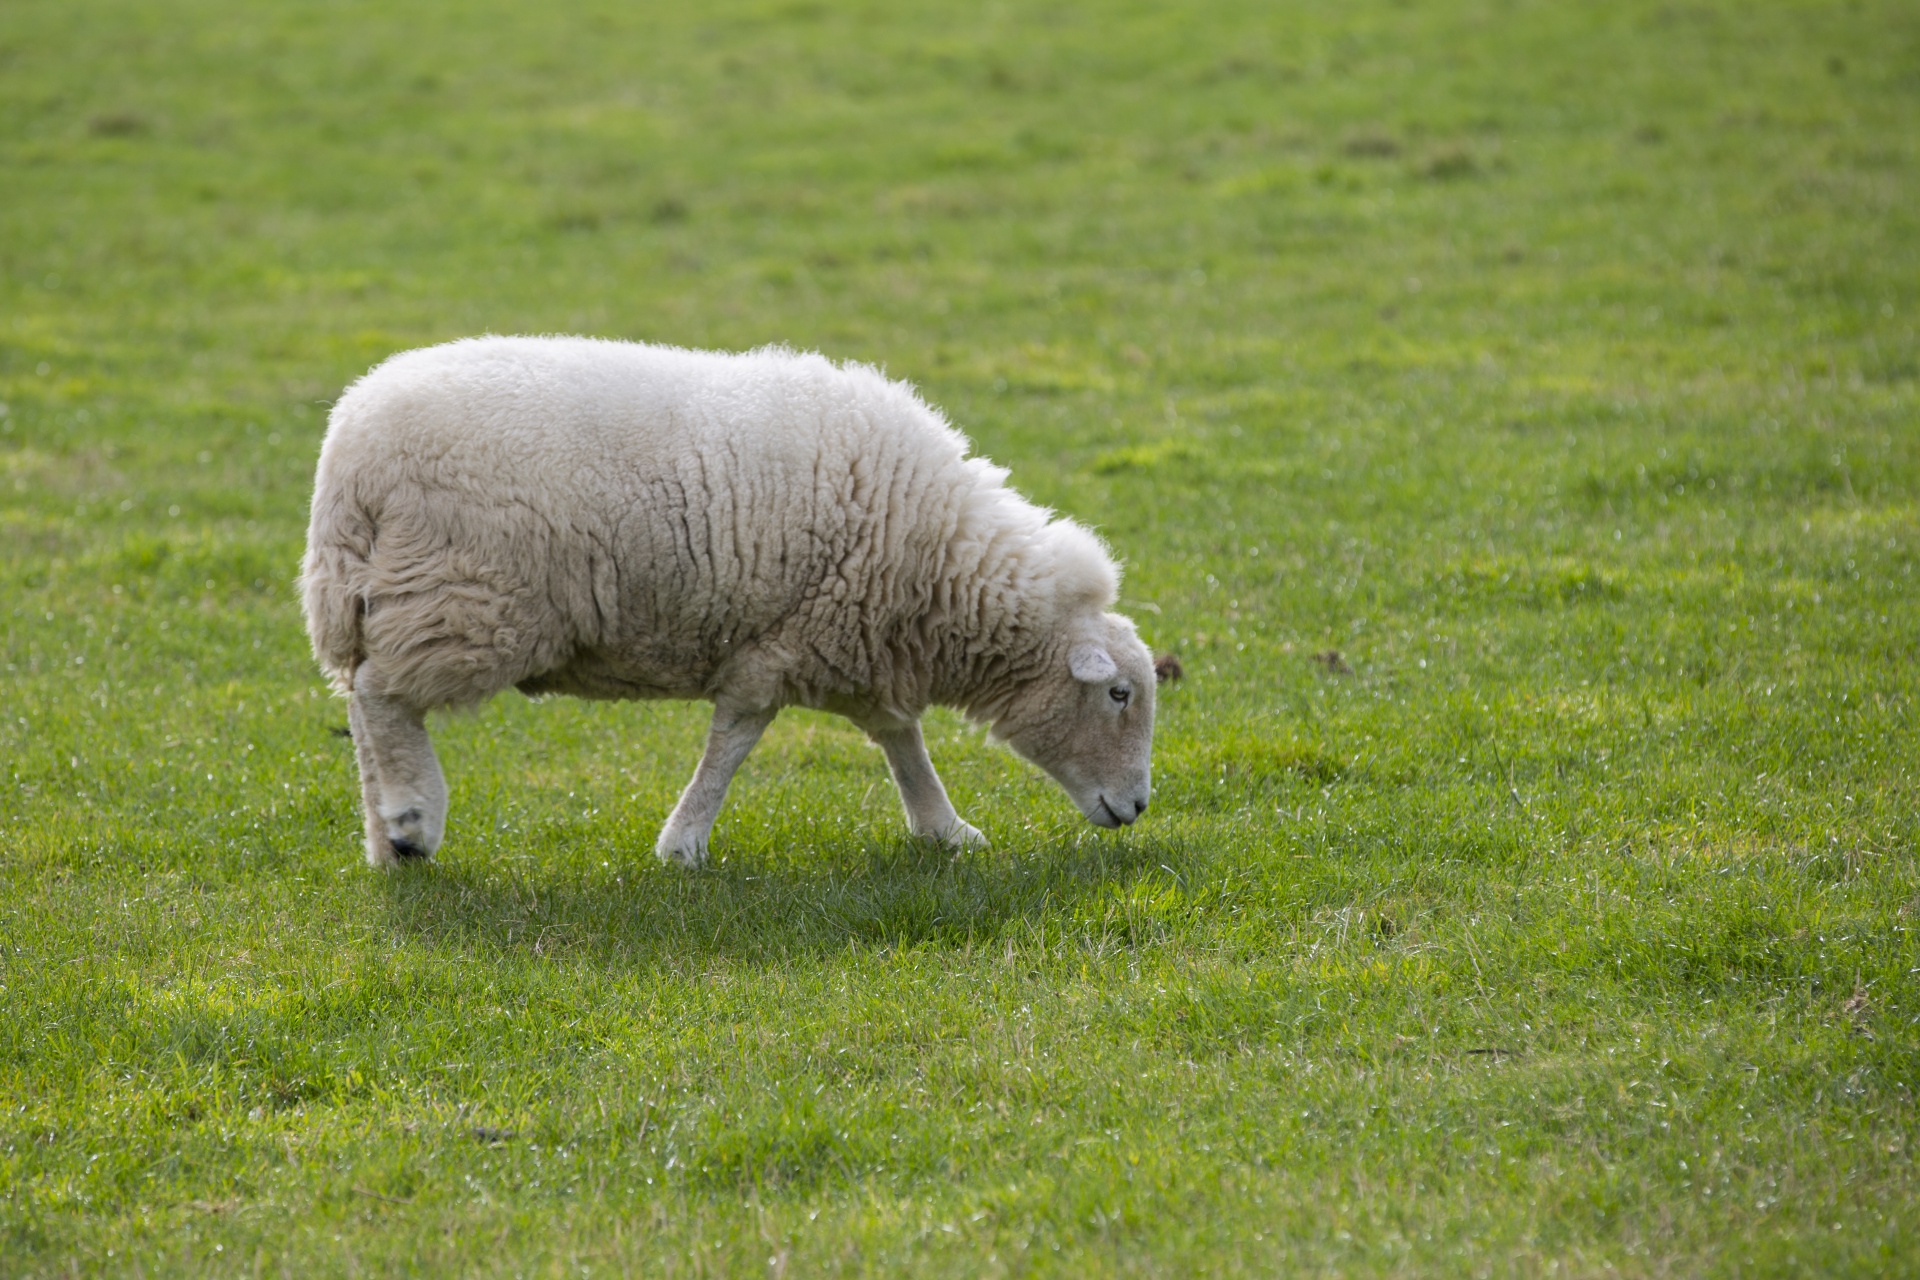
[[1554, 364]]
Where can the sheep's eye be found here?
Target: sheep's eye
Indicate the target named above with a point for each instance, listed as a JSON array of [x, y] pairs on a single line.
[[1120, 695]]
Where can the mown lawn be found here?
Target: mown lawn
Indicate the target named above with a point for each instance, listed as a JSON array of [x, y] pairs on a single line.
[[1554, 365]]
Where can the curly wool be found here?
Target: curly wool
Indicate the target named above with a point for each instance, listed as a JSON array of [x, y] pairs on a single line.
[[618, 520]]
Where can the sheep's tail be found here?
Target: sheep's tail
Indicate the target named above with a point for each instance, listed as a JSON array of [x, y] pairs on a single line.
[[333, 583]]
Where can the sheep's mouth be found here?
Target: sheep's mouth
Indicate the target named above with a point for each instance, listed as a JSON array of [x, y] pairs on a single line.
[[1104, 816]]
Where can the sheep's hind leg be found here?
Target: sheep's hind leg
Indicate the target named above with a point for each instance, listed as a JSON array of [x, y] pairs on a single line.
[[930, 815], [684, 838], [401, 786]]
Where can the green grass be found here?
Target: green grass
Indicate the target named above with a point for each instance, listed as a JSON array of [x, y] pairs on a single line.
[[1555, 364]]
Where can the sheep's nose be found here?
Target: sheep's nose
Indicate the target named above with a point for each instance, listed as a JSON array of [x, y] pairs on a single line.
[[1139, 807]]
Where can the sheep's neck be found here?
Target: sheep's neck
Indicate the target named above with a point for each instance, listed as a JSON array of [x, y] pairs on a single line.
[[990, 638]]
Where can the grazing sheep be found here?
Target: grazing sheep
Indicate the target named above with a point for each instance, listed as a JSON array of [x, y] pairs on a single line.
[[614, 520]]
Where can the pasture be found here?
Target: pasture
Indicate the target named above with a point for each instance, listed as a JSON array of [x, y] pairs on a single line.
[[1507, 411]]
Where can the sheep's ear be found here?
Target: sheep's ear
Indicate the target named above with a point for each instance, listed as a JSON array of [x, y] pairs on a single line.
[[1090, 664]]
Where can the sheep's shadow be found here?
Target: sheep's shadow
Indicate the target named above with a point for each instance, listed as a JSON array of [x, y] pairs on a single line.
[[764, 907]]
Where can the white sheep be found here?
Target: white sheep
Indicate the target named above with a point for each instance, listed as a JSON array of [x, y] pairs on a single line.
[[617, 520]]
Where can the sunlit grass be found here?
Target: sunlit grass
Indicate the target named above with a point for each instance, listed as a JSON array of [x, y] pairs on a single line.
[[1506, 411]]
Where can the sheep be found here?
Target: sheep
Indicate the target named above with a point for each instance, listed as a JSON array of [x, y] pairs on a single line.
[[757, 530]]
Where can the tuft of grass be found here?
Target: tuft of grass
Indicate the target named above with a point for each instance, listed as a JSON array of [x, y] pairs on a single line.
[[1374, 142], [118, 124], [1448, 162]]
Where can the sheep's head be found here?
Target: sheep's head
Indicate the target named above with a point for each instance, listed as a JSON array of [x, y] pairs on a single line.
[[1088, 719]]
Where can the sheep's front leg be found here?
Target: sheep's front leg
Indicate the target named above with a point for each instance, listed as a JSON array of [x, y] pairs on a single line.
[[930, 815], [684, 838], [401, 786]]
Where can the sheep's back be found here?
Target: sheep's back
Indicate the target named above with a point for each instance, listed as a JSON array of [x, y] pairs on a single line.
[[625, 520]]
